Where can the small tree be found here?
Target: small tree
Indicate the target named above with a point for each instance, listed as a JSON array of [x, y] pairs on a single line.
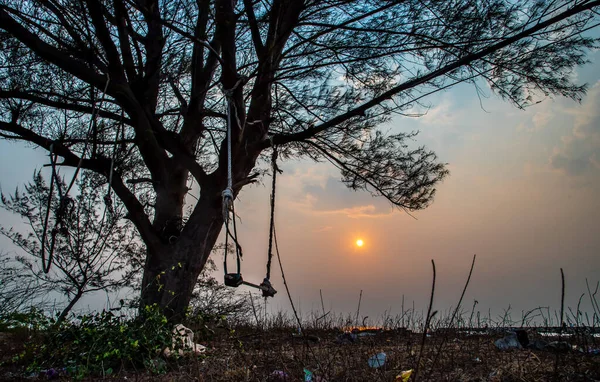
[[88, 247]]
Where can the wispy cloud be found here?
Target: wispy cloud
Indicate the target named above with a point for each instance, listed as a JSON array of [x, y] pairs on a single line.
[[309, 205], [579, 153], [538, 122], [331, 197], [323, 229], [369, 211], [443, 114]]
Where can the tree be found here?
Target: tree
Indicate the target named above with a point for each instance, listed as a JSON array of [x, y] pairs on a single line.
[[90, 246], [146, 88]]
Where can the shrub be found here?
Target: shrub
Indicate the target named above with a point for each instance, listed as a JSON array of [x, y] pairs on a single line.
[[96, 344]]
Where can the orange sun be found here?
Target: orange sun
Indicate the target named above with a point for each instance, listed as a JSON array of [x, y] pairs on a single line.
[[360, 243]]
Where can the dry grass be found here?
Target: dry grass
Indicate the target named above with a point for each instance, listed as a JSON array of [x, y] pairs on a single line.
[[265, 347], [255, 356], [251, 354]]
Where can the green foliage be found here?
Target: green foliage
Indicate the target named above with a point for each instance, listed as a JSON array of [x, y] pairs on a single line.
[[34, 320], [95, 344]]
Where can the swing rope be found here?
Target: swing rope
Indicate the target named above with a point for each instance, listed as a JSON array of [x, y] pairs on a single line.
[[227, 195], [108, 198], [64, 198], [235, 279], [86, 141], [46, 265], [238, 247], [275, 170]]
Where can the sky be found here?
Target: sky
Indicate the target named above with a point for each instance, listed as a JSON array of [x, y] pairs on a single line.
[[523, 195]]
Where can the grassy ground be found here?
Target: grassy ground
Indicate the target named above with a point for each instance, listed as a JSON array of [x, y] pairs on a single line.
[[251, 354]]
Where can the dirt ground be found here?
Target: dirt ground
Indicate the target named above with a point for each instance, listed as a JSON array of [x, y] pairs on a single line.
[[277, 355]]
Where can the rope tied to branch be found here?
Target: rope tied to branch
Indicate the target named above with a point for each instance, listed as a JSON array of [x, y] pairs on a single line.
[[235, 279], [275, 169], [227, 194], [108, 198], [64, 199]]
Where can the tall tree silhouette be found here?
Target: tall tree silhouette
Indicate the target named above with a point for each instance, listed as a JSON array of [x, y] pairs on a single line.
[[142, 87]]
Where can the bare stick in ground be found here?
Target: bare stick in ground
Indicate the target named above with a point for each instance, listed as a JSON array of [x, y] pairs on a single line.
[[287, 289], [403, 312], [416, 374], [254, 311], [561, 322], [562, 301], [445, 338], [593, 298], [475, 302], [325, 314], [358, 309]]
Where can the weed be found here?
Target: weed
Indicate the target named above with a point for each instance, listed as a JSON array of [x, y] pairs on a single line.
[[94, 344]]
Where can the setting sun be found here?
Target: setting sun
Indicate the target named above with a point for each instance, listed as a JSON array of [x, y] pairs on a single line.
[[359, 243]]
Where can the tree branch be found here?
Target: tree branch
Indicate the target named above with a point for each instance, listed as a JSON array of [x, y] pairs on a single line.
[[46, 51], [258, 45], [466, 60], [99, 165], [121, 19], [61, 105], [114, 62]]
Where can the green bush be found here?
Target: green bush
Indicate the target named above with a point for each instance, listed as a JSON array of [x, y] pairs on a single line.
[[33, 321], [96, 344]]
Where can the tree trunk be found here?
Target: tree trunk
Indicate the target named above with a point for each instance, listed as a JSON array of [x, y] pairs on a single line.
[[171, 271], [70, 306]]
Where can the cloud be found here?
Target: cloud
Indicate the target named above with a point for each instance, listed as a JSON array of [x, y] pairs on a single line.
[[579, 153], [369, 211], [323, 229], [333, 198], [539, 121], [311, 174], [443, 114], [355, 212]]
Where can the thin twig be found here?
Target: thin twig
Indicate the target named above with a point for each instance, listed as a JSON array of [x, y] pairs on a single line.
[[416, 374], [445, 338], [592, 297], [358, 309], [561, 322], [254, 310], [287, 289]]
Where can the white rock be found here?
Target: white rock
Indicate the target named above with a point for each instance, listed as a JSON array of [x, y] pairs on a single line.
[[183, 338]]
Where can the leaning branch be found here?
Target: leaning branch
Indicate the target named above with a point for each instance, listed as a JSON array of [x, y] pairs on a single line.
[[258, 44], [48, 52], [12, 94], [362, 109]]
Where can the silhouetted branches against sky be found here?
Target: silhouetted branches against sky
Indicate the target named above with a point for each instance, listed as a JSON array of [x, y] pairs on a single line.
[[328, 72]]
